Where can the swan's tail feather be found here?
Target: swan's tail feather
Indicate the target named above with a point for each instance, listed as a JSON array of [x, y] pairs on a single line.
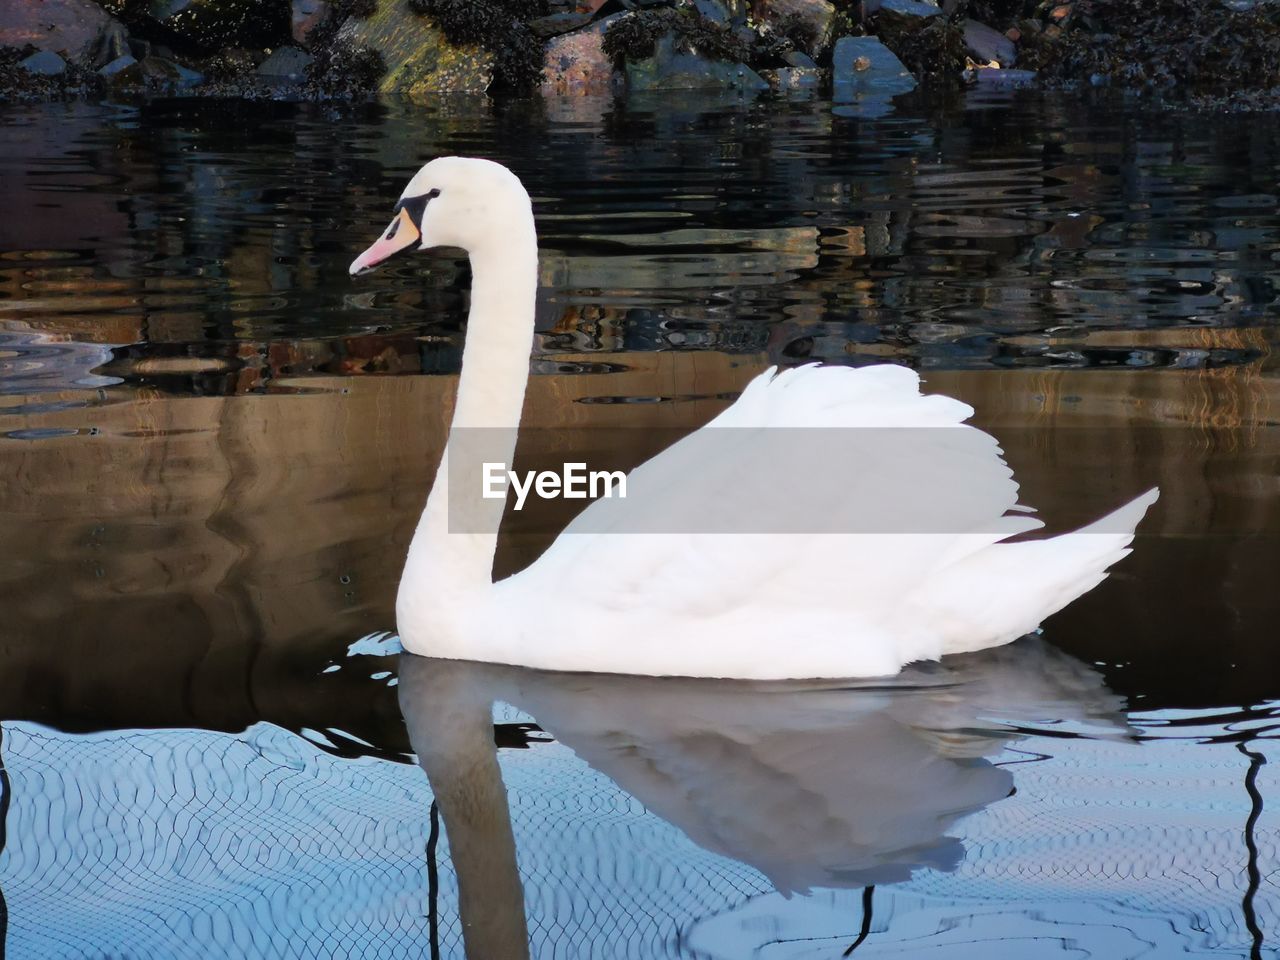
[[1048, 575], [1126, 519]]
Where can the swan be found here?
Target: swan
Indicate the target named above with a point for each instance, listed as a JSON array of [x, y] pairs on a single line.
[[832, 522]]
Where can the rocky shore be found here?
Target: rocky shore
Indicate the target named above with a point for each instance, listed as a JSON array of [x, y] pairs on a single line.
[[1213, 51]]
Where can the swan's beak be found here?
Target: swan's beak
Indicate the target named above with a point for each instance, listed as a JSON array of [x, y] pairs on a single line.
[[400, 234]]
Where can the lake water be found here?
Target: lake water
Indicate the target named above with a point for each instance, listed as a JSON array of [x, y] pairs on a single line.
[[214, 443]]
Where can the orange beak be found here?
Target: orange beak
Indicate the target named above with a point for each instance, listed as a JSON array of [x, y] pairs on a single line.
[[400, 234]]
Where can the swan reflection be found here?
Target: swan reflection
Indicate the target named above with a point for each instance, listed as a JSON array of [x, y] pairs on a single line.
[[813, 784]]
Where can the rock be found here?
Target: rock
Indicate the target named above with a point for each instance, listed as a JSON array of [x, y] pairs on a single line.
[[1007, 79], [795, 58], [141, 49], [817, 15], [798, 80], [71, 28], [211, 24], [44, 63], [558, 23], [287, 63], [672, 69], [420, 62], [304, 16], [160, 72], [153, 72], [111, 44], [117, 66], [188, 77], [986, 44], [576, 63], [910, 8], [864, 65], [712, 10]]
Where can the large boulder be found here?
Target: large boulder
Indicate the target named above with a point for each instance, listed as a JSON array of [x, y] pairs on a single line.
[[576, 63], [70, 28], [863, 65], [420, 61], [673, 69]]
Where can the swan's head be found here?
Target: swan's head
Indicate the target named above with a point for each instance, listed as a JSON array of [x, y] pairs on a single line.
[[452, 202]]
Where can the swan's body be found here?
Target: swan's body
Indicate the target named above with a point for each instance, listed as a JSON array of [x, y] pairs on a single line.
[[920, 501]]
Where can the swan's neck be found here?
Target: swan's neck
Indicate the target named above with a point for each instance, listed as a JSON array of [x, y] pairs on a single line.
[[452, 551]]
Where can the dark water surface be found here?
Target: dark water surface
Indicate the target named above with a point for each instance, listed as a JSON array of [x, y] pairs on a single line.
[[214, 444]]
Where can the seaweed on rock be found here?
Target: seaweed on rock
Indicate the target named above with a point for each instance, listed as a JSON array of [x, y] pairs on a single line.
[[800, 32], [323, 33], [1170, 45], [932, 48], [343, 69], [17, 84], [635, 35], [500, 26]]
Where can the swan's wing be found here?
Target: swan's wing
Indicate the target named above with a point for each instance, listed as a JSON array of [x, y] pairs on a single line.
[[818, 482]]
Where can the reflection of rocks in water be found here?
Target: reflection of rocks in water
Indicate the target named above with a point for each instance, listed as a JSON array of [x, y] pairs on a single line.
[[933, 254]]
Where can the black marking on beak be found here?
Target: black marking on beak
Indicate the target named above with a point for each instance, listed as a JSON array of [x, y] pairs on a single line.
[[416, 206]]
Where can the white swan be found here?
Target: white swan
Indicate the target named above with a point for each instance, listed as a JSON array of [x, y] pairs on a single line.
[[919, 503]]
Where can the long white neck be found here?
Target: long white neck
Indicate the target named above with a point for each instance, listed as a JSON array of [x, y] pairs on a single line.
[[451, 555]]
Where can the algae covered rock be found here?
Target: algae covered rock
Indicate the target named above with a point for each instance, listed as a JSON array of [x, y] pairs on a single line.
[[419, 60], [671, 68], [809, 23], [208, 24]]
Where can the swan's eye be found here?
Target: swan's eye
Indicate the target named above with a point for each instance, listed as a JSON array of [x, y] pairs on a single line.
[[416, 206]]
